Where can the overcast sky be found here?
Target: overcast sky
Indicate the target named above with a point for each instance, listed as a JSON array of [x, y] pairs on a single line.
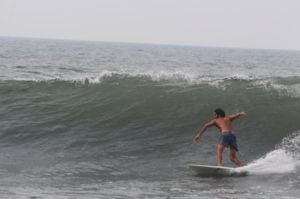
[[271, 24]]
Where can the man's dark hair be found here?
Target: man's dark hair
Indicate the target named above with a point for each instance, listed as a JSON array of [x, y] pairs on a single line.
[[220, 112]]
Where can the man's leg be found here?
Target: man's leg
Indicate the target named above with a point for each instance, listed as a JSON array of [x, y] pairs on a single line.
[[220, 149], [233, 157]]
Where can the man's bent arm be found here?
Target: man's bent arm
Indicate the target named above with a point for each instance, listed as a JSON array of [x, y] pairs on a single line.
[[203, 129], [237, 115]]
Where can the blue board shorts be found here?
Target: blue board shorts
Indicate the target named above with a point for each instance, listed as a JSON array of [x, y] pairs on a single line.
[[228, 139]]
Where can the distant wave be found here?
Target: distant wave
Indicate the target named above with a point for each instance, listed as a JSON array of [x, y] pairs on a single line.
[[289, 86]]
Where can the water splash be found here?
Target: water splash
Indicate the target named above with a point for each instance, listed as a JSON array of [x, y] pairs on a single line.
[[284, 159]]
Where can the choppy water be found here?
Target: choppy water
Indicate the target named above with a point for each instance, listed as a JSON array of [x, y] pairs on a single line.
[[112, 120]]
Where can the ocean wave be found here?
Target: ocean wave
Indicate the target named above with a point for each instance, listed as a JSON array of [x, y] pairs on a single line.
[[94, 78], [286, 86]]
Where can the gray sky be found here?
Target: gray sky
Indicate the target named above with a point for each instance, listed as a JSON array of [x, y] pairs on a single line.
[[223, 23]]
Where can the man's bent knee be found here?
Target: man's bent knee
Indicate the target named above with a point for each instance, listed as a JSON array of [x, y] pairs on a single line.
[[220, 147]]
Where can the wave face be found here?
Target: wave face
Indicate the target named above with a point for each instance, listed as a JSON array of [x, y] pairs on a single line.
[[117, 120]]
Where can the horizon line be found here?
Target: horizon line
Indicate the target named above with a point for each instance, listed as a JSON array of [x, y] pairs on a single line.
[[149, 43]]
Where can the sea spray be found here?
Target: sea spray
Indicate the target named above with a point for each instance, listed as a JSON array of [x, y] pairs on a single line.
[[284, 159]]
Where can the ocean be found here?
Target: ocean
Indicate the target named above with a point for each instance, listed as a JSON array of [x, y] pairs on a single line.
[[83, 119]]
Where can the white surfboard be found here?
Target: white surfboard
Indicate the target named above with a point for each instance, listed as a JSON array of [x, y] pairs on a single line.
[[207, 170]]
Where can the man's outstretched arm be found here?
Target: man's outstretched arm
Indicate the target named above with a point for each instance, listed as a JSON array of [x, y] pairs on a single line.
[[197, 138], [237, 115]]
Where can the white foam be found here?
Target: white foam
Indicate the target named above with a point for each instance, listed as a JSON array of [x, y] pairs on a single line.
[[176, 76], [284, 159], [277, 161]]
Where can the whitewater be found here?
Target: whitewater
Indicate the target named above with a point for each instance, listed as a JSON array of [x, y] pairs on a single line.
[[116, 120]]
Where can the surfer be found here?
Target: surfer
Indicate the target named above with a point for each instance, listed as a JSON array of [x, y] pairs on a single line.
[[227, 138]]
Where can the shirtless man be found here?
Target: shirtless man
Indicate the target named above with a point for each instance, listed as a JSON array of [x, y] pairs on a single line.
[[227, 139]]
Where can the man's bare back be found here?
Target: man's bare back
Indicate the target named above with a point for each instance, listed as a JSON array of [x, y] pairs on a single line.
[[225, 124]]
